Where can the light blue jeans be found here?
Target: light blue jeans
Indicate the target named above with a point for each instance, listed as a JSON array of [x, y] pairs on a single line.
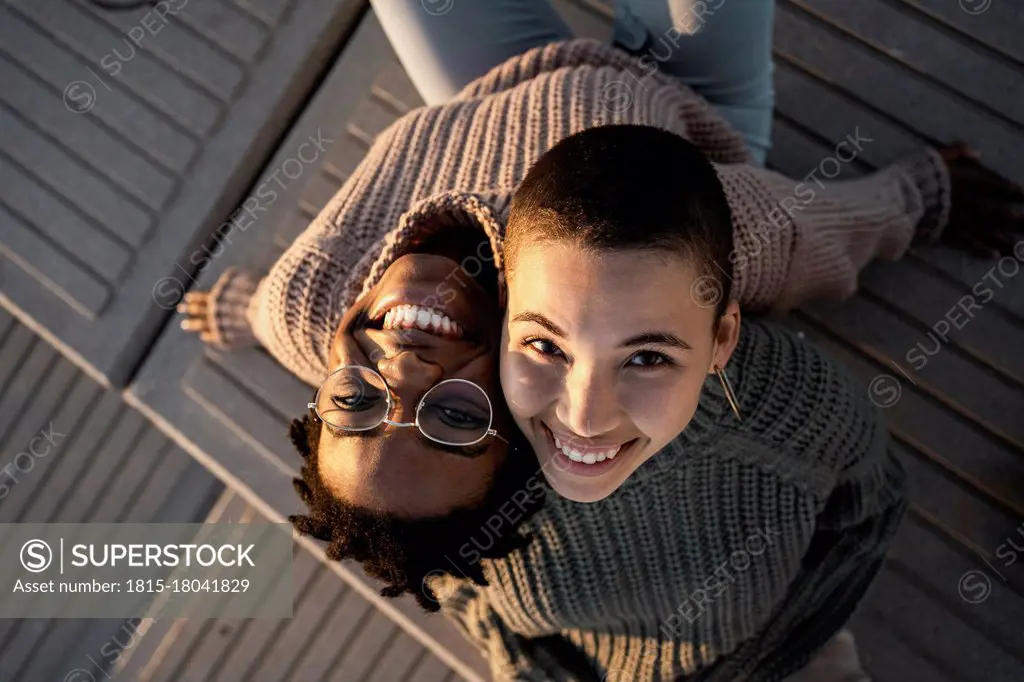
[[720, 48]]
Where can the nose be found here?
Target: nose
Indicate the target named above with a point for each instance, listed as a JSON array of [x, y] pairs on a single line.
[[408, 376], [589, 405]]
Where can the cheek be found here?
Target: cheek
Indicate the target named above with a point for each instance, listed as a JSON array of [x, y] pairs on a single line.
[[661, 410], [529, 386]]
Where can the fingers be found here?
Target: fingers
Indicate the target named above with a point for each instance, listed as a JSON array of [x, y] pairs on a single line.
[[194, 303], [194, 324]]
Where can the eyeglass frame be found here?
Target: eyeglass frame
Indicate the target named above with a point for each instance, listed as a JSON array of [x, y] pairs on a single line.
[[391, 406]]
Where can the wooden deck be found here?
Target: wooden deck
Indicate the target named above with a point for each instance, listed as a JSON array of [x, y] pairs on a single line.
[[949, 605]]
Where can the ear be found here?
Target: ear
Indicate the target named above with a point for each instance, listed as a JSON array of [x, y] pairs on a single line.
[[727, 336], [502, 291]]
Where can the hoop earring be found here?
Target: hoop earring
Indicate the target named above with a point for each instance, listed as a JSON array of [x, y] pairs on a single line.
[[730, 395]]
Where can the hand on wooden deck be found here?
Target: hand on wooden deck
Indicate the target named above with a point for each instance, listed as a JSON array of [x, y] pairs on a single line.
[[986, 210], [195, 308]]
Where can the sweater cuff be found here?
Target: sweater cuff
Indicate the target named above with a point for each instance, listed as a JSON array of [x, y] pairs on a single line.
[[227, 313], [927, 172]]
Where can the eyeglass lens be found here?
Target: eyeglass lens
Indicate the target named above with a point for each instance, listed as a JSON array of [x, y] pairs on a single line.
[[454, 411]]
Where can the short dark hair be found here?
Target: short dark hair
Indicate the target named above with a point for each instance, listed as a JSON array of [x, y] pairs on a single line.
[[626, 187], [403, 553]]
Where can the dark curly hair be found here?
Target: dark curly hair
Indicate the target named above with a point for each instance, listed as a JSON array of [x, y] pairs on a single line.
[[403, 553]]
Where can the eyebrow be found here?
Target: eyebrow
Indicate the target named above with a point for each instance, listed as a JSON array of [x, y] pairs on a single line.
[[659, 338], [656, 338], [467, 451]]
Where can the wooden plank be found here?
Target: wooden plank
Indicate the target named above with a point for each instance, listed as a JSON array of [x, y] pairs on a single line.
[[323, 596], [935, 303], [261, 377], [347, 618], [430, 669], [924, 51], [146, 130], [204, 64], [39, 259], [995, 25], [108, 336], [816, 105], [35, 367], [964, 651], [250, 419], [991, 399], [118, 211], [260, 634], [160, 85], [81, 397], [203, 489], [940, 564], [952, 441], [366, 649], [87, 139], [230, 27], [397, 661], [886, 657], [394, 87], [115, 452], [18, 343], [63, 225], [877, 80], [83, 445]]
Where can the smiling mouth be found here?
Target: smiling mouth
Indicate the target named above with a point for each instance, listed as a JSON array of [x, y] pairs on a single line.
[[586, 457], [405, 316]]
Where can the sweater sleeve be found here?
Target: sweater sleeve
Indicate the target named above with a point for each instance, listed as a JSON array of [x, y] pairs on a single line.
[[512, 657], [798, 240]]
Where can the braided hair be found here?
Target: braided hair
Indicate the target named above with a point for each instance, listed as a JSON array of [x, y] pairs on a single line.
[[404, 553]]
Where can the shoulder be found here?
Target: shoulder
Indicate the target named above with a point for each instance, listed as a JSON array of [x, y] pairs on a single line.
[[795, 397]]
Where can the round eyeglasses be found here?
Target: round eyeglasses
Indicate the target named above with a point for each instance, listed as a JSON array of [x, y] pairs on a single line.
[[453, 412]]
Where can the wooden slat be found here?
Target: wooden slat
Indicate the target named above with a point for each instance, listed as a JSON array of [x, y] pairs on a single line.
[[364, 652], [347, 618], [992, 24], [964, 651], [886, 657], [78, 406], [89, 140], [203, 64], [927, 52], [877, 80], [323, 596], [151, 134], [38, 363], [259, 635], [990, 399], [63, 226], [119, 212]]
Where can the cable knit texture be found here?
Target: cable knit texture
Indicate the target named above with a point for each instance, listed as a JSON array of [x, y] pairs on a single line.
[[735, 553], [463, 159]]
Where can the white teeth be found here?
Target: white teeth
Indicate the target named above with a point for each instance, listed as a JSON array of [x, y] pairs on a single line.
[[410, 316], [591, 457]]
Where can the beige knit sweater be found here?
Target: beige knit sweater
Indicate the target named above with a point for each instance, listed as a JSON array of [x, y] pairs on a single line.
[[737, 551], [794, 238]]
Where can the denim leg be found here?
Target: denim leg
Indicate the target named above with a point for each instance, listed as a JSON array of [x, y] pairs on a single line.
[[720, 48], [445, 44]]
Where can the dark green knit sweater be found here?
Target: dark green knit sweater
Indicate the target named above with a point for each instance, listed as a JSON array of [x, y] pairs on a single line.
[[735, 553]]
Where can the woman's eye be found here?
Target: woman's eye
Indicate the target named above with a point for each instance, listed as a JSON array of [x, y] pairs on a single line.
[[648, 358], [545, 347], [353, 402]]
